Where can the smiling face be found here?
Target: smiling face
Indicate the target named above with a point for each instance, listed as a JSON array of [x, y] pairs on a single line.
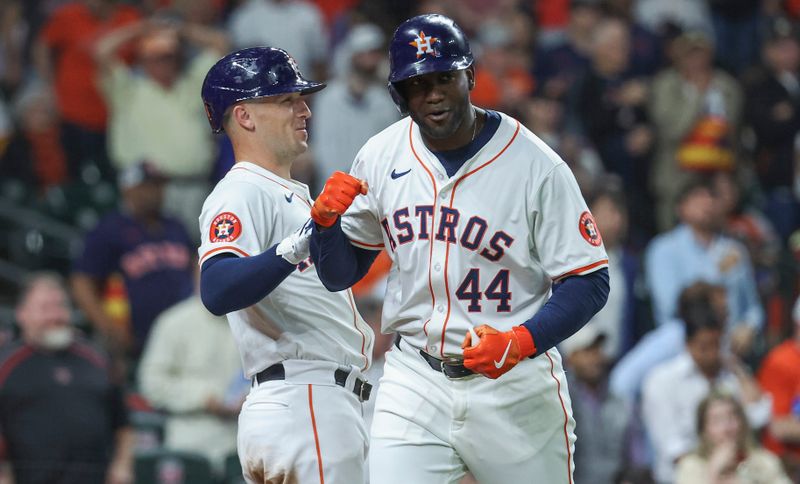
[[280, 123], [44, 312], [439, 103]]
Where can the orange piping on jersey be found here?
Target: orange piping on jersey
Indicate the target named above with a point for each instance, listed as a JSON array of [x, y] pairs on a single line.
[[220, 249], [447, 249], [15, 359], [273, 181], [355, 324], [582, 269], [316, 437], [513, 137], [566, 417], [369, 246], [433, 221]]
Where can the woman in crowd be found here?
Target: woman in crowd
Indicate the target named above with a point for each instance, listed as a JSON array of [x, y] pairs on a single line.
[[727, 453]]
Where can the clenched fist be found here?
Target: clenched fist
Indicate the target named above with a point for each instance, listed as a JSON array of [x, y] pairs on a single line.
[[339, 192], [497, 352]]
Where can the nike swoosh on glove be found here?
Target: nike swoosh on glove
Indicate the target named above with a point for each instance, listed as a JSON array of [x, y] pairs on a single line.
[[338, 194], [497, 352]]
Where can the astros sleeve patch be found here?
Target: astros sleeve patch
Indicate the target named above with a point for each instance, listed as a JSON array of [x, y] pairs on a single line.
[[226, 227], [589, 229], [233, 220]]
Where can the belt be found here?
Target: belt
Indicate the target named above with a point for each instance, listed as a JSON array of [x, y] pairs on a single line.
[[450, 370], [361, 388]]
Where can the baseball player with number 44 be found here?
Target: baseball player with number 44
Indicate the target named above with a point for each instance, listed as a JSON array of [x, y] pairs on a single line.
[[496, 259]]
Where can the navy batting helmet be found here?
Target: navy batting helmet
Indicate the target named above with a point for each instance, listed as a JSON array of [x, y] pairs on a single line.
[[425, 44], [248, 74]]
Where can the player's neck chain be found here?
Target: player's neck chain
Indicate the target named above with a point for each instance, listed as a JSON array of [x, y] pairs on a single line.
[[474, 125]]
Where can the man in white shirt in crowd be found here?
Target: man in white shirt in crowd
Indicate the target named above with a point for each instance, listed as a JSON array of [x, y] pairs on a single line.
[[704, 365]]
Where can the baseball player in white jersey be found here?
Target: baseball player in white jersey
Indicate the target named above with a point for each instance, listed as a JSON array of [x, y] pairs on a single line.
[[496, 259], [304, 347]]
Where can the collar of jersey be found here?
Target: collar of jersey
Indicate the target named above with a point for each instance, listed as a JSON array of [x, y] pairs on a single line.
[[453, 160], [288, 184], [497, 138]]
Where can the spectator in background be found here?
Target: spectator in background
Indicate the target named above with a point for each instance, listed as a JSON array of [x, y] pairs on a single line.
[[34, 154], [695, 110], [751, 228], [557, 67], [63, 57], [609, 108], [61, 411], [152, 251], [659, 345], [687, 15], [545, 117], [695, 250], [618, 318], [773, 111], [602, 420], [154, 112], [355, 106], [674, 389], [291, 24], [13, 30], [779, 376], [736, 25], [190, 369], [727, 452], [791, 7], [646, 47], [502, 76]]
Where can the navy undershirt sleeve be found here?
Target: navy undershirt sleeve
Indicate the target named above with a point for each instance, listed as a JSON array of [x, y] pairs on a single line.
[[339, 263], [573, 303], [229, 283]]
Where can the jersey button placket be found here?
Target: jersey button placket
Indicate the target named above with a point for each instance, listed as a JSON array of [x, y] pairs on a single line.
[[438, 269]]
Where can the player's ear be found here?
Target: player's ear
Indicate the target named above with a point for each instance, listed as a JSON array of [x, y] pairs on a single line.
[[471, 77], [241, 116]]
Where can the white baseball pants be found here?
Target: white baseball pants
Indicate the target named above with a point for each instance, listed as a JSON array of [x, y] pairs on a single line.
[[304, 429], [428, 429]]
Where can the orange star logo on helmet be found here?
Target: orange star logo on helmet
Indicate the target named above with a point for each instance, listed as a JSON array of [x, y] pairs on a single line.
[[423, 44]]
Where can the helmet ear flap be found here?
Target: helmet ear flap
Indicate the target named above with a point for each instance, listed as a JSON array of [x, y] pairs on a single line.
[[398, 99], [213, 119]]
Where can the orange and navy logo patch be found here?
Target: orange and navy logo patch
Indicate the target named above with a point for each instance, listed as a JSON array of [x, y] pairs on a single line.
[[226, 227], [424, 44], [589, 229]]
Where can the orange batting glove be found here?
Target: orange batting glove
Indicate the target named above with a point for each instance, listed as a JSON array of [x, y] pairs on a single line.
[[339, 192], [497, 352]]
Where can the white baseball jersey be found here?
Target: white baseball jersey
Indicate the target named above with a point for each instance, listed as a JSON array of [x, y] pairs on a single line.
[[249, 211], [481, 247]]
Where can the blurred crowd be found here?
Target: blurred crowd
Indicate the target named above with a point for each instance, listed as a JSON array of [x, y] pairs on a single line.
[[679, 118]]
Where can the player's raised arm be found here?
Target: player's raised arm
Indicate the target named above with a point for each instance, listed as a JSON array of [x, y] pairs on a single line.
[[339, 264]]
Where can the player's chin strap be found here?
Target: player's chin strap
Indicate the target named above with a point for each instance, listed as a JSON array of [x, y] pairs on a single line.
[[296, 247]]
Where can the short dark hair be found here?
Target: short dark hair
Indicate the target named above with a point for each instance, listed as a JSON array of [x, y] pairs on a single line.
[[694, 183], [696, 308]]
